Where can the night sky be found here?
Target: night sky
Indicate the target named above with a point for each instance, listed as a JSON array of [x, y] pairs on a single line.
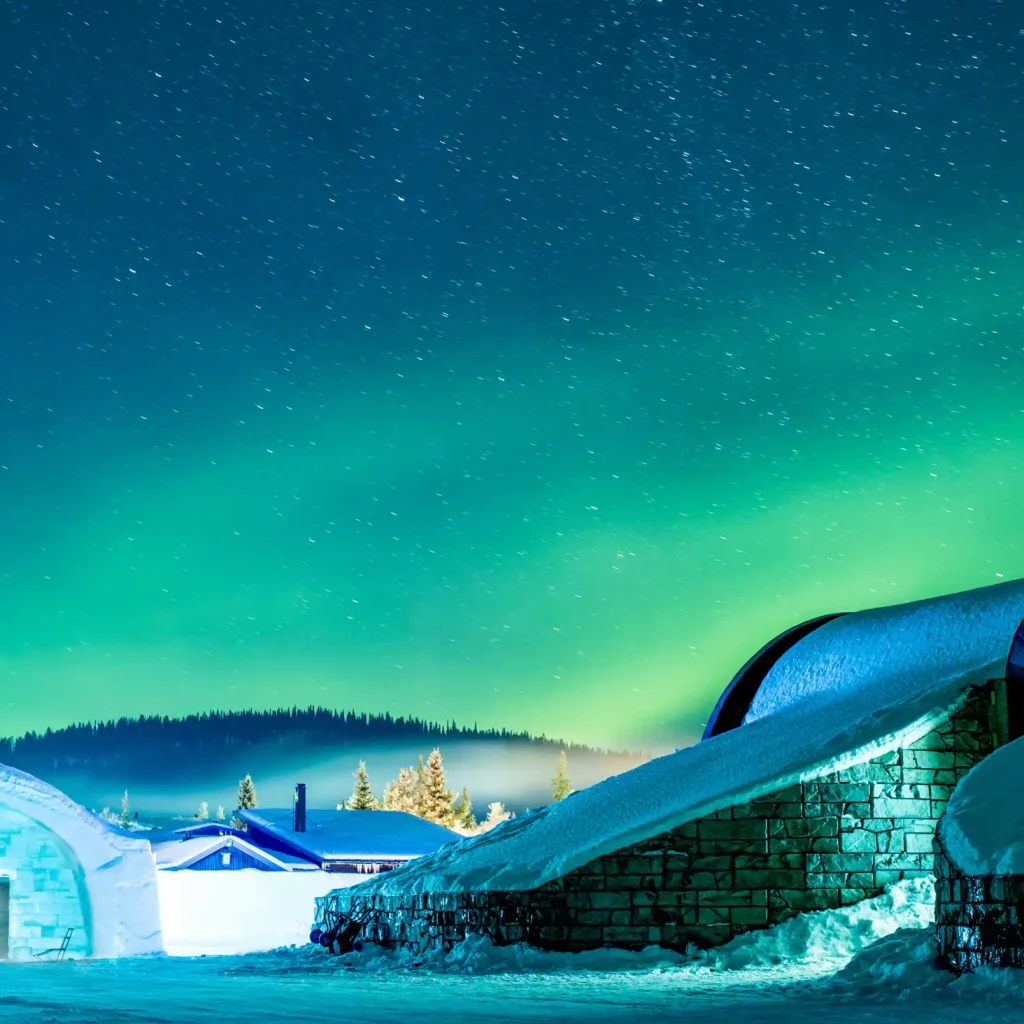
[[528, 362]]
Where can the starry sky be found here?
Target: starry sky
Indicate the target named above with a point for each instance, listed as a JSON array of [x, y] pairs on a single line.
[[521, 362]]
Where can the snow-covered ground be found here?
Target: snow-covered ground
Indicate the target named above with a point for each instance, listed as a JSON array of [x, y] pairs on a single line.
[[871, 962], [224, 912]]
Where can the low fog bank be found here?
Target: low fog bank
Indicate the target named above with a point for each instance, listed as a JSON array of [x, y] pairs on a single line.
[[515, 773]]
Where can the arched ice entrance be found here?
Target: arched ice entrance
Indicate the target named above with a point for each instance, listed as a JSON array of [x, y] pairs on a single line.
[[62, 867], [42, 890]]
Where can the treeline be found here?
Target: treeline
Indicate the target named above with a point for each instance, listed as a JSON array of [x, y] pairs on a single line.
[[147, 746], [423, 790]]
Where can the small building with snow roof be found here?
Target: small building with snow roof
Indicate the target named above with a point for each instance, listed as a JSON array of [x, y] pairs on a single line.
[[298, 839], [823, 773], [225, 852], [354, 842], [224, 890], [67, 877]]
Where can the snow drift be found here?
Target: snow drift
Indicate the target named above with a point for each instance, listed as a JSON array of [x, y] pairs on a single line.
[[813, 944]]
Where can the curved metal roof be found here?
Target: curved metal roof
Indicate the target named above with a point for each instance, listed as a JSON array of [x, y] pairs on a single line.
[[733, 705], [939, 635]]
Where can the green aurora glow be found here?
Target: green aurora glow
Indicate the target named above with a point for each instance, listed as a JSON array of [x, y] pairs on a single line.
[[576, 513]]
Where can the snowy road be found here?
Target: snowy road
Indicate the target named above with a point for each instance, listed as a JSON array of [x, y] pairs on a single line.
[[869, 962], [299, 986]]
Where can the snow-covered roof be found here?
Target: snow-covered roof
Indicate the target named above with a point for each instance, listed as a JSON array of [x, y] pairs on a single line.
[[733, 705], [888, 678], [936, 636], [207, 828], [157, 836], [982, 829], [352, 836], [21, 786], [180, 854]]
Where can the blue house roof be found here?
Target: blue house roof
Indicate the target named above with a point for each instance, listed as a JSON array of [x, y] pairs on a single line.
[[207, 828], [351, 836], [187, 853]]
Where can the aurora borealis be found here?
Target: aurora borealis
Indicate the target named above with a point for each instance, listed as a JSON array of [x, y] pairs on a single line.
[[529, 363]]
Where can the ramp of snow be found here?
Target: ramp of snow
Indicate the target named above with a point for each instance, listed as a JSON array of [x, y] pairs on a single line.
[[915, 673], [983, 827]]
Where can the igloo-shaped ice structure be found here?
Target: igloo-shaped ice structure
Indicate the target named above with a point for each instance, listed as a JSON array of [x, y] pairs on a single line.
[[62, 867]]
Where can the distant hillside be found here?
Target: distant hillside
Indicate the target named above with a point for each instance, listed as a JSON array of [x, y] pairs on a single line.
[[155, 749]]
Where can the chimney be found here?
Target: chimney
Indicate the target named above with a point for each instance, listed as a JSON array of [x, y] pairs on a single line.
[[299, 810]]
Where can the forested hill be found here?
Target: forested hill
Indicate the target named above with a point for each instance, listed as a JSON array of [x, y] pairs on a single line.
[[149, 748]]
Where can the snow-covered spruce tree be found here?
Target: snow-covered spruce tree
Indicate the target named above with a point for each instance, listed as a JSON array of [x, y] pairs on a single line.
[[203, 814], [220, 812], [420, 789], [362, 798], [464, 819], [561, 787], [438, 799], [400, 795], [496, 814], [246, 794], [125, 816], [246, 801]]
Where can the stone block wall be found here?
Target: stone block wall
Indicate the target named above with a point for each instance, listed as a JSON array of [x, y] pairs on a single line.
[[46, 890], [979, 919], [822, 844]]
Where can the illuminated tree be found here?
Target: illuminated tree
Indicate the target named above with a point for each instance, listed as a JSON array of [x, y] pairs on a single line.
[[246, 794], [362, 798], [496, 814], [438, 799], [561, 787], [464, 812], [401, 794]]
